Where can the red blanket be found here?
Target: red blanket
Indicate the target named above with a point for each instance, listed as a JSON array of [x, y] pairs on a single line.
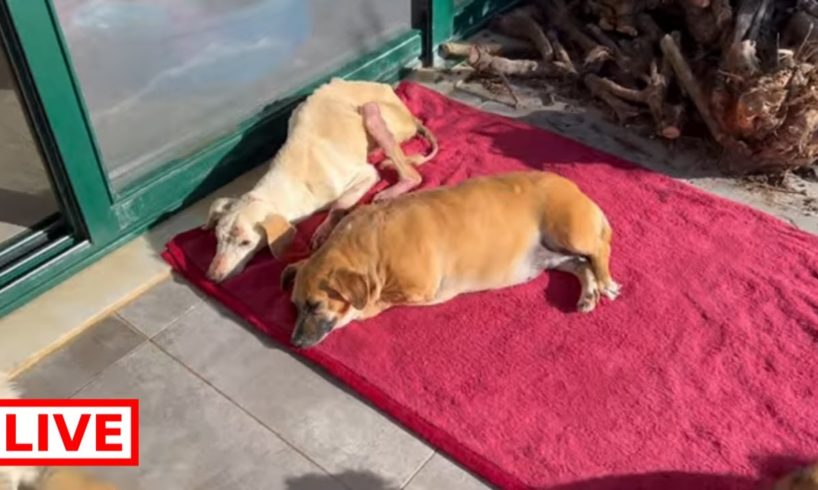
[[703, 374]]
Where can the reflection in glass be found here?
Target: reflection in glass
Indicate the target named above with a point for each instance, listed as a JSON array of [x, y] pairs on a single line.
[[26, 198], [162, 77]]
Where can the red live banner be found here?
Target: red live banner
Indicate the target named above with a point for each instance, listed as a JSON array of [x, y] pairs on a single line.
[[69, 432]]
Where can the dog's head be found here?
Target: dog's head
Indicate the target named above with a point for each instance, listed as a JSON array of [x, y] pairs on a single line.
[[244, 226], [327, 294]]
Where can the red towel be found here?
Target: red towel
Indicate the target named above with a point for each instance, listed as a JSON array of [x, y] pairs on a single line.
[[702, 375]]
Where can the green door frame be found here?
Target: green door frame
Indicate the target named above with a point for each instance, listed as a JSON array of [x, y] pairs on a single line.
[[101, 219]]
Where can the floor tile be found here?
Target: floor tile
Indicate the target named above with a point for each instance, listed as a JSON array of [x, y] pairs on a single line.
[[62, 373], [191, 436], [82, 300], [332, 426], [160, 306], [441, 473]]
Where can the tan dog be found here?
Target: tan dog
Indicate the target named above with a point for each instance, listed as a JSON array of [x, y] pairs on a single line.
[[430, 246], [322, 165]]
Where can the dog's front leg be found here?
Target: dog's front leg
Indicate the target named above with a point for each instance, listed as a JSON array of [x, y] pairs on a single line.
[[362, 183], [408, 177]]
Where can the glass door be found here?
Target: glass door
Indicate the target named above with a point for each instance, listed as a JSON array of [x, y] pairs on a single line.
[[162, 78], [31, 218]]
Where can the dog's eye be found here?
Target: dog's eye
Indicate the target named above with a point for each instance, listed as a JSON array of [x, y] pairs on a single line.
[[311, 306], [244, 243]]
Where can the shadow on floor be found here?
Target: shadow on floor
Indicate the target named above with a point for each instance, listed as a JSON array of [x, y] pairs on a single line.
[[684, 158], [357, 480], [666, 480]]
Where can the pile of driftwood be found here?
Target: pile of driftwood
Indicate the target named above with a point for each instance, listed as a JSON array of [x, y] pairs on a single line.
[[745, 69]]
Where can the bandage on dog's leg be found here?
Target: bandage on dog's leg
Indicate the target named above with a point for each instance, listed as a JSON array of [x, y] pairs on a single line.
[[408, 177]]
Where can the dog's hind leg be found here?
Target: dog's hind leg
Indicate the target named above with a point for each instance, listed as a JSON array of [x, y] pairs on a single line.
[[587, 238], [579, 267], [360, 185], [408, 177], [600, 264]]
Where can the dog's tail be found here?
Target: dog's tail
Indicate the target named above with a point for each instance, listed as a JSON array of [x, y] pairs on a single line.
[[430, 137]]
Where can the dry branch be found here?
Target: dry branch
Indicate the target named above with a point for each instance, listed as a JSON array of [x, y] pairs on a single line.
[[483, 61], [616, 15], [560, 18], [561, 54], [623, 110], [654, 95], [462, 49], [686, 79], [745, 65], [520, 23]]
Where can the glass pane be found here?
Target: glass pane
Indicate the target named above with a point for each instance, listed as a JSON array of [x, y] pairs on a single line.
[[26, 197], [163, 77]]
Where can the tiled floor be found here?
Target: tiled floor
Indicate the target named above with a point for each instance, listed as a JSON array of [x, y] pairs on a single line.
[[222, 408]]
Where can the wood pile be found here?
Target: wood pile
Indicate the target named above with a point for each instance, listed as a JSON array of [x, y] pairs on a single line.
[[746, 70]]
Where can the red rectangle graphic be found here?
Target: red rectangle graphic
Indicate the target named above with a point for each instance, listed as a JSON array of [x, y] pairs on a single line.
[[81, 432]]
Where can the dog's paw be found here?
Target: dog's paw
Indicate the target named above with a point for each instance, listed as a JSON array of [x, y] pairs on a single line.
[[588, 301], [612, 290]]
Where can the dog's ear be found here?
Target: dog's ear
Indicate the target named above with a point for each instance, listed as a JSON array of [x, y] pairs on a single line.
[[217, 210], [288, 275], [279, 233], [353, 287]]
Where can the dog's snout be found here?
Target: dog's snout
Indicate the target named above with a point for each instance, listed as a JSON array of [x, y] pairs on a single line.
[[217, 271], [215, 275], [302, 341], [310, 330], [299, 341]]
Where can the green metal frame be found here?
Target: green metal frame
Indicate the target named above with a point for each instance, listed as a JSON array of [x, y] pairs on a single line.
[[448, 21], [100, 220]]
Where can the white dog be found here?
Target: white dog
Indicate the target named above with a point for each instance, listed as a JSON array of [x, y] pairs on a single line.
[[322, 165]]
